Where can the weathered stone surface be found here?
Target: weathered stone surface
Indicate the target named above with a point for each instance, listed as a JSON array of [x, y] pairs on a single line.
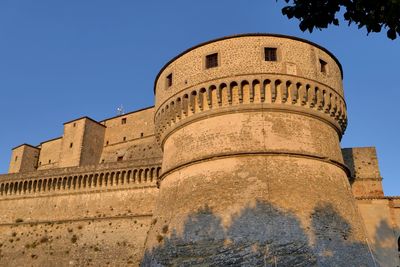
[[238, 164]]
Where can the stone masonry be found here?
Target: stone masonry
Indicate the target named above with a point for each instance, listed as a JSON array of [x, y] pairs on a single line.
[[238, 163]]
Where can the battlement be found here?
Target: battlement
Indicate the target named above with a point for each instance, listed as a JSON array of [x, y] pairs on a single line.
[[280, 92], [73, 180]]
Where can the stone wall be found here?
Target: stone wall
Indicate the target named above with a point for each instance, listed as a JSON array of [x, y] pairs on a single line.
[[24, 158], [252, 173], [381, 217], [130, 137], [49, 156], [254, 145], [366, 180], [87, 142], [94, 215], [92, 144]]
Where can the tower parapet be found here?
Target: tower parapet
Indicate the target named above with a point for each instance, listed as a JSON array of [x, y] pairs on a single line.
[[302, 79], [250, 128]]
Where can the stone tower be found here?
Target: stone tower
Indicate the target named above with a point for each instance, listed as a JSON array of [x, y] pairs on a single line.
[[252, 170]]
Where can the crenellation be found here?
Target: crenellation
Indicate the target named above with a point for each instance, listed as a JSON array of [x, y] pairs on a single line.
[[176, 110]]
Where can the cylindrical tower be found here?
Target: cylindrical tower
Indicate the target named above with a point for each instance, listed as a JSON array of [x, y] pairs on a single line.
[[250, 127]]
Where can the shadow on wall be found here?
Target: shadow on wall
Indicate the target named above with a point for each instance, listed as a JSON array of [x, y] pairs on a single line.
[[385, 243], [263, 235]]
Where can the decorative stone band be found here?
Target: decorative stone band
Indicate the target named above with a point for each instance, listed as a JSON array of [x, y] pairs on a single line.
[[281, 92], [254, 153], [80, 183]]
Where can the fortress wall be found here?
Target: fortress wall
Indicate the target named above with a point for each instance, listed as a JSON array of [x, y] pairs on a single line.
[[137, 124], [251, 132], [85, 216], [141, 148], [381, 217], [138, 132], [50, 152], [92, 145], [16, 159], [24, 158], [87, 229], [363, 164], [73, 134], [254, 144], [116, 241]]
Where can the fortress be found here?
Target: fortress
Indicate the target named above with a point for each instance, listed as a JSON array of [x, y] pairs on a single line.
[[238, 163]]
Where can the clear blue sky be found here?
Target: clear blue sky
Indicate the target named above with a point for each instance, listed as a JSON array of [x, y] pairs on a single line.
[[60, 60]]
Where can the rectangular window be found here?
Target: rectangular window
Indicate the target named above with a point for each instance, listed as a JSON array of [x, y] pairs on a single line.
[[124, 138], [16, 158], [141, 134], [212, 61], [322, 66], [123, 121], [120, 158], [107, 143], [169, 80], [70, 145], [270, 54]]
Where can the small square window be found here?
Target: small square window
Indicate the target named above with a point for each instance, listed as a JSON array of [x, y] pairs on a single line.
[[323, 65], [212, 61], [123, 121], [169, 80], [102, 161], [71, 145], [120, 158], [270, 54]]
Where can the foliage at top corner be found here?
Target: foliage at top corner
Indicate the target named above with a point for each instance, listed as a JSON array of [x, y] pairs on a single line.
[[371, 14]]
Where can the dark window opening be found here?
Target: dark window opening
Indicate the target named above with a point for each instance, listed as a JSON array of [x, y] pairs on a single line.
[[49, 161], [169, 80], [74, 124], [70, 145], [141, 134], [16, 158], [398, 244], [270, 54], [107, 143], [102, 161], [120, 158], [323, 65], [123, 121], [124, 138], [212, 61], [40, 163]]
